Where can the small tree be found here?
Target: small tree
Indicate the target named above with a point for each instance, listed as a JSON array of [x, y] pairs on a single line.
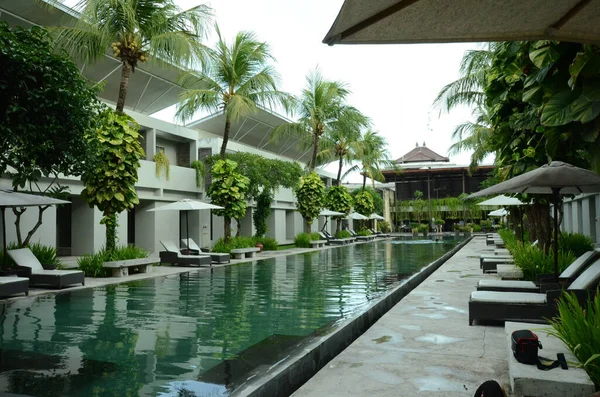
[[262, 212], [377, 199], [228, 189], [363, 203], [46, 109], [338, 199], [110, 185], [419, 204], [311, 197]]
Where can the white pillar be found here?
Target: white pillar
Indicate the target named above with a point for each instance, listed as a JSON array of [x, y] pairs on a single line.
[[150, 148]]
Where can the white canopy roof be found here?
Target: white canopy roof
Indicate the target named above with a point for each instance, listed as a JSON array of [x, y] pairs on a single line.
[[502, 201]]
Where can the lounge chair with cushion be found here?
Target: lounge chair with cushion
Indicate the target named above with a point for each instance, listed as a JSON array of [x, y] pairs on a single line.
[[568, 275], [173, 255], [14, 285], [359, 238], [527, 306], [217, 257], [331, 240], [39, 275]]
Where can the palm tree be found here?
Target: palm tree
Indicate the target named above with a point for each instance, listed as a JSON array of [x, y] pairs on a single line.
[[319, 107], [474, 136], [341, 142], [374, 156], [135, 30], [236, 79]]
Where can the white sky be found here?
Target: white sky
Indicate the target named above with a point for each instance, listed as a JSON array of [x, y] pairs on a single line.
[[394, 85]]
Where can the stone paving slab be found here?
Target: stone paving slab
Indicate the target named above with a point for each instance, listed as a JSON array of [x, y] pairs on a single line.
[[423, 346]]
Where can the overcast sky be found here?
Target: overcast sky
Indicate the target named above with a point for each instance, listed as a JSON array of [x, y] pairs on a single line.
[[392, 84]]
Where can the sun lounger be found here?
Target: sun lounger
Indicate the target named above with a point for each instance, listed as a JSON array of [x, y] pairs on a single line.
[[173, 255], [331, 240], [14, 285], [568, 275], [525, 306], [359, 238], [216, 257], [509, 272], [23, 257]]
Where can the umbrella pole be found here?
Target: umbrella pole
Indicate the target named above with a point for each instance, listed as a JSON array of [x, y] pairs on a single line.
[[556, 200], [3, 237]]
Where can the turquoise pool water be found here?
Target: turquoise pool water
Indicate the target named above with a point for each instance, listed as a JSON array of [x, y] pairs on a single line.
[[198, 333]]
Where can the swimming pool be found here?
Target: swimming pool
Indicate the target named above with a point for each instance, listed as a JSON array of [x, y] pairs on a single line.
[[201, 331]]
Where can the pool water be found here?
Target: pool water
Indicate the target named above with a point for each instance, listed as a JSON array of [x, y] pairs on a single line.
[[197, 333]]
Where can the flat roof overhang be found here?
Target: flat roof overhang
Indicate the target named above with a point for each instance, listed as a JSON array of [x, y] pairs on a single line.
[[255, 130], [152, 87], [415, 174], [449, 21]]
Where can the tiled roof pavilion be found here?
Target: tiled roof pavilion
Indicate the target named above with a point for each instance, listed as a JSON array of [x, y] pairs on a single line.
[[421, 154]]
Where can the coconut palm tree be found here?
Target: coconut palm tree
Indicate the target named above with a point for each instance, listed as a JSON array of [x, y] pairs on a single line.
[[474, 136], [135, 30], [236, 79], [374, 156], [341, 142], [318, 108]]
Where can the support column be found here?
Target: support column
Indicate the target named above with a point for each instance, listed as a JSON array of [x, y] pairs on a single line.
[[588, 214], [150, 148]]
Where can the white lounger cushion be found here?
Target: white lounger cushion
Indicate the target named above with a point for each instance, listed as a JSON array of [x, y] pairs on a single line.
[[190, 243], [508, 297], [170, 246], [56, 272], [24, 257], [11, 279], [588, 277], [509, 271], [508, 284], [578, 265]]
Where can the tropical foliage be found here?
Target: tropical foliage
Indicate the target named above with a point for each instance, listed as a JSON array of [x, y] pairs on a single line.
[[579, 328], [228, 189], [577, 243], [338, 198], [135, 31], [93, 264], [303, 240], [318, 109], [110, 185], [376, 196], [46, 109], [374, 156], [363, 203], [262, 212], [235, 79], [46, 254], [310, 194]]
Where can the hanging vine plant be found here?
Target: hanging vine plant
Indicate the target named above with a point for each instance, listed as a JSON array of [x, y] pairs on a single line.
[[200, 171], [162, 162]]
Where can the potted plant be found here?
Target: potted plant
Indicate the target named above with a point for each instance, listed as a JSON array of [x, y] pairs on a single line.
[[439, 223], [424, 229], [456, 228], [415, 229]]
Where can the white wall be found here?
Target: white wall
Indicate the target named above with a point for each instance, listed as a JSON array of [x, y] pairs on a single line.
[[581, 215], [46, 233]]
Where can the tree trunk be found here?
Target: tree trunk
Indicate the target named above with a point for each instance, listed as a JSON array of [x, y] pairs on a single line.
[[111, 231], [339, 177], [125, 73], [18, 214], [313, 161], [239, 228], [338, 227], [37, 225], [225, 138], [538, 224], [227, 228], [514, 219], [364, 181], [307, 226]]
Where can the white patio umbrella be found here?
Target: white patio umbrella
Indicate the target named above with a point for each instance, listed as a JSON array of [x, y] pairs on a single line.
[[187, 205], [502, 201], [10, 199], [377, 217], [499, 212], [327, 213], [356, 216], [555, 178]]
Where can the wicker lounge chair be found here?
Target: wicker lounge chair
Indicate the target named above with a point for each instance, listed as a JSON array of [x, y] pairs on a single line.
[[331, 240], [14, 285], [173, 255], [526, 306], [359, 238], [38, 275], [217, 257], [567, 276]]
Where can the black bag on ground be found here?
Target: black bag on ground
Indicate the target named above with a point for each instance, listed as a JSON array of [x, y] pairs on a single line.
[[525, 345]]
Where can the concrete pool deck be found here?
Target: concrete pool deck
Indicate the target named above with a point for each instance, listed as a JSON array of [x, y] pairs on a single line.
[[423, 345]]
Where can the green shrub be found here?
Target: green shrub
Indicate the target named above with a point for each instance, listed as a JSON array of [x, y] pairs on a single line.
[[476, 228], [91, 264], [303, 240], [509, 238], [234, 243], [364, 232], [439, 222], [44, 253], [579, 329], [384, 226], [269, 243], [533, 260], [423, 229], [314, 236], [125, 252], [575, 242], [343, 234], [486, 224]]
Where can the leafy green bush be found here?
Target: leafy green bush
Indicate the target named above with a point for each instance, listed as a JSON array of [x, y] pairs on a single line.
[[314, 236], [439, 221], [575, 242], [533, 260], [269, 243], [423, 229], [486, 224], [476, 228], [343, 234], [302, 240], [509, 238], [579, 329], [234, 243], [91, 264], [364, 232], [125, 252], [384, 226]]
